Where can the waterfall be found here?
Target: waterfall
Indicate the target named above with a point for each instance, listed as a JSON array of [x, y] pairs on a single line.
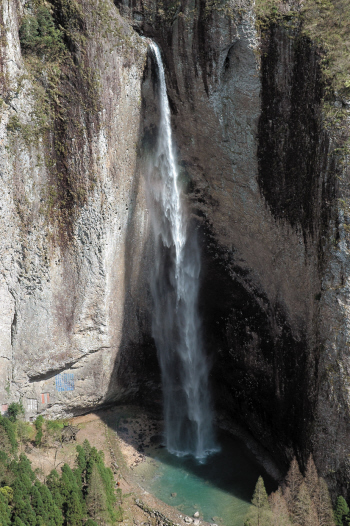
[[175, 286]]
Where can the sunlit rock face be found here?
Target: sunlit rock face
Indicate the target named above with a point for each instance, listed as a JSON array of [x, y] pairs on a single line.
[[74, 286], [263, 184]]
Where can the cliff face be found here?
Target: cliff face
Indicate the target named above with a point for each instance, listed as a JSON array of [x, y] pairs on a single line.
[[73, 221], [262, 178]]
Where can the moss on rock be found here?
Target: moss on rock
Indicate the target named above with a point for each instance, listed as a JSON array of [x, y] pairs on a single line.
[[325, 23]]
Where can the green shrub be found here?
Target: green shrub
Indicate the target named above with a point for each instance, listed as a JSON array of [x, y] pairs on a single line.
[[23, 431], [29, 33], [341, 511], [38, 34], [54, 427], [15, 410], [39, 427], [9, 428]]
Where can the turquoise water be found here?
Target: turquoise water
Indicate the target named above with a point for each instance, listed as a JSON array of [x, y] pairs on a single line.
[[220, 489]]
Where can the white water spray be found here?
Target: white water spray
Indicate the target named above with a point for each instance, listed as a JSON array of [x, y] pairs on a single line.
[[175, 285]]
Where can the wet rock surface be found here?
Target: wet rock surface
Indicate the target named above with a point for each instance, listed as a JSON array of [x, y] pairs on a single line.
[[263, 178]]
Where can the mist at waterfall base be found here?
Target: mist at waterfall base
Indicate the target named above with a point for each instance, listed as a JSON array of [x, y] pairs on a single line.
[[174, 286], [220, 488]]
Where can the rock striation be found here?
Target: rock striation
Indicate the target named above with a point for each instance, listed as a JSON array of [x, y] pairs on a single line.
[[268, 192], [72, 290]]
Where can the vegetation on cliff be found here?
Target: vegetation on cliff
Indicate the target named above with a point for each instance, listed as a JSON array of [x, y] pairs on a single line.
[[303, 126], [39, 34], [81, 496], [325, 23], [64, 89]]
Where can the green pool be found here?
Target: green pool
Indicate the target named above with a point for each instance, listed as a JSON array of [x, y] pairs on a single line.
[[219, 489]]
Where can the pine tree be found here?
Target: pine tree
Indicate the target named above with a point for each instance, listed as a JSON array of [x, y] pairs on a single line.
[[74, 508], [294, 480], [9, 428], [70, 484], [52, 514], [311, 479], [341, 510], [37, 503], [5, 444], [23, 468], [74, 513], [108, 485], [260, 499], [54, 484], [3, 466], [304, 513], [22, 508], [260, 513], [324, 505], [95, 468], [96, 499], [5, 511], [39, 427], [279, 508], [21, 497], [93, 457], [81, 464]]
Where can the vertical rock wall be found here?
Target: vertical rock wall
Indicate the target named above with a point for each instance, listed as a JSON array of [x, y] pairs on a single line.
[[71, 274], [267, 192], [262, 175]]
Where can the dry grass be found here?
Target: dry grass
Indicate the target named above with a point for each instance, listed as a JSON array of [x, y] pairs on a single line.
[[326, 22]]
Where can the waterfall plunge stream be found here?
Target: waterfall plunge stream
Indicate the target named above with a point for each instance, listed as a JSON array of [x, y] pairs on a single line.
[[175, 285]]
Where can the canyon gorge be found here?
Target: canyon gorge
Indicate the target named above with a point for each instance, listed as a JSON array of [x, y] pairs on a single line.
[[265, 181]]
